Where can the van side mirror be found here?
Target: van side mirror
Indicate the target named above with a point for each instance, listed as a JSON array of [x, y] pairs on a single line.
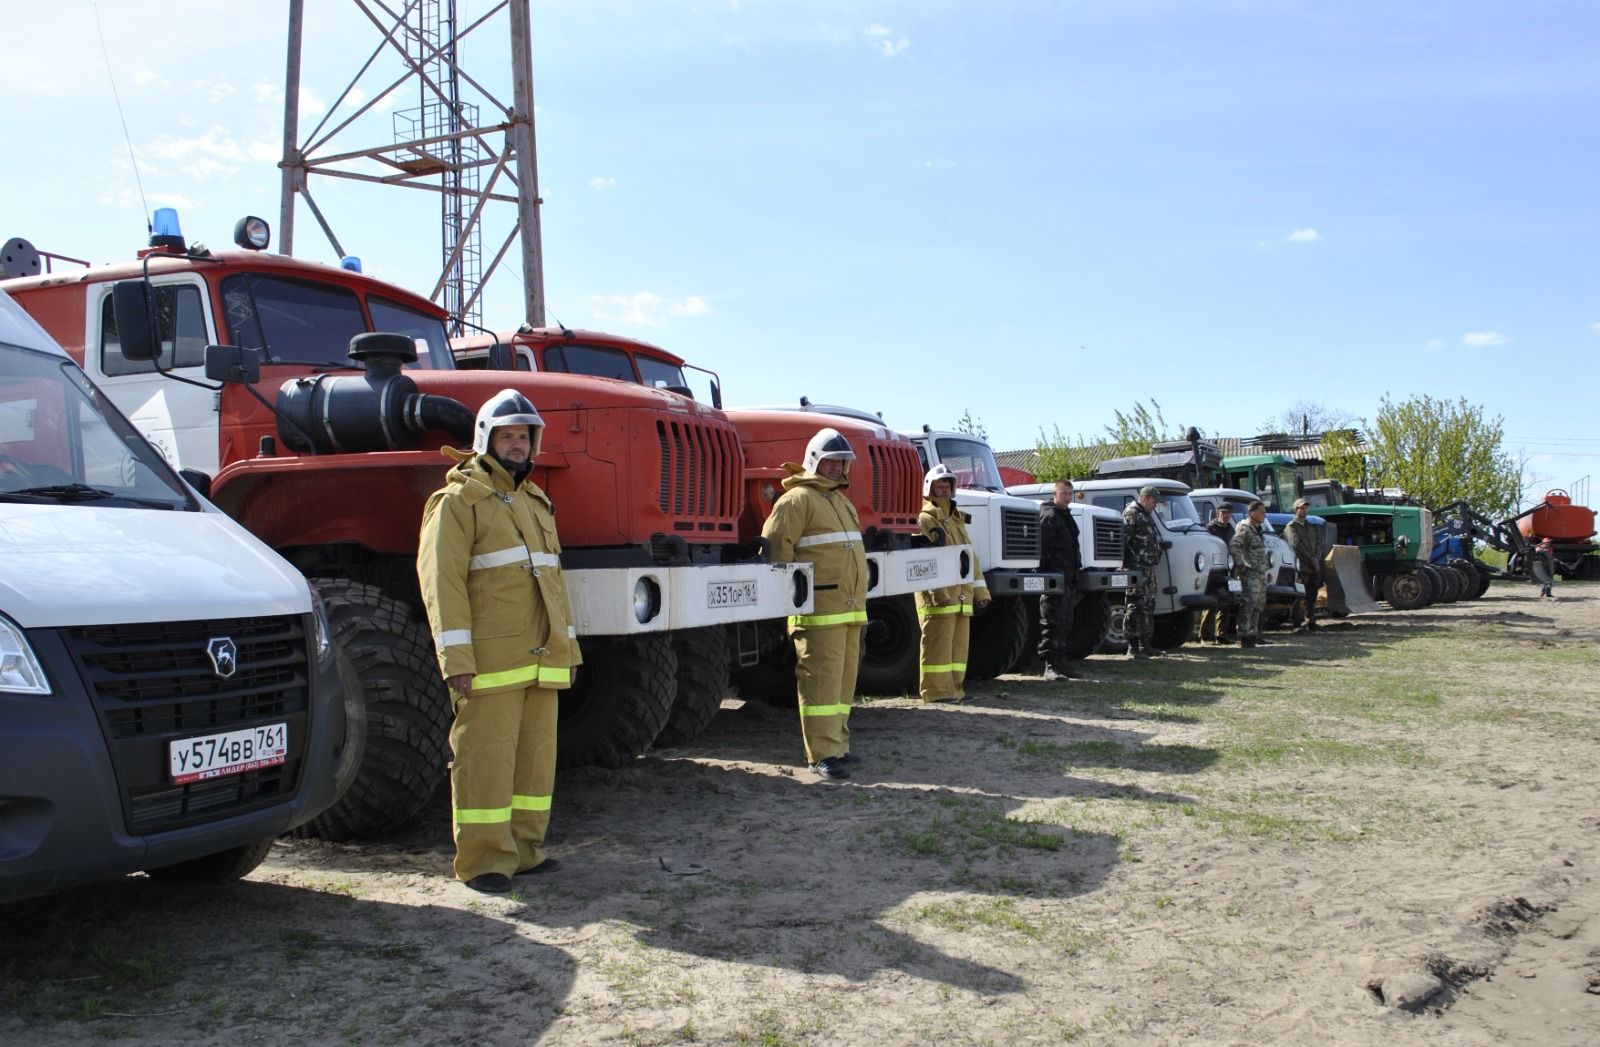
[[200, 481], [130, 303], [716, 395], [233, 363]]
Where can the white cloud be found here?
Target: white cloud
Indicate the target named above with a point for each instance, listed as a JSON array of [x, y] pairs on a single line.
[[270, 93], [211, 154], [886, 41], [1595, 328], [1435, 345], [644, 308], [1483, 339], [148, 78], [1303, 236], [602, 183]]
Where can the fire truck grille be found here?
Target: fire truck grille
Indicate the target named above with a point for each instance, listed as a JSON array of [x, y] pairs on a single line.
[[1019, 534], [896, 483], [1108, 540], [154, 683], [699, 475]]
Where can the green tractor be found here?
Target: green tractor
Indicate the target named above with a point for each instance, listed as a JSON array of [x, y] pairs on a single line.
[[1395, 542]]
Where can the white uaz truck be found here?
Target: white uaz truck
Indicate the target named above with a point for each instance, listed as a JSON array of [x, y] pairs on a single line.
[[170, 697]]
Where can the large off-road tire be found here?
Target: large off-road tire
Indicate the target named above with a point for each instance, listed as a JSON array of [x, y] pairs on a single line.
[[702, 683], [1444, 584], [891, 651], [223, 867], [1483, 582], [1469, 578], [998, 639], [1091, 622], [619, 701], [1407, 592], [407, 712], [1172, 631]]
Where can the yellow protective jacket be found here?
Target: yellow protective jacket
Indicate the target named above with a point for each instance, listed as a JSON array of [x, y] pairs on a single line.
[[940, 516], [488, 561], [813, 522]]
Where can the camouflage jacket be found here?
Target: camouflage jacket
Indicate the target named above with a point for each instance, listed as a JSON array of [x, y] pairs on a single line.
[[1302, 538], [1141, 541], [1249, 548]]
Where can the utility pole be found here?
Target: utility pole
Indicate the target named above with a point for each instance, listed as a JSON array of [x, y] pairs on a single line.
[[440, 146]]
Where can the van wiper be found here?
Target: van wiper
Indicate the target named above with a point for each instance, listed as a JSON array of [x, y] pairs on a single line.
[[76, 492]]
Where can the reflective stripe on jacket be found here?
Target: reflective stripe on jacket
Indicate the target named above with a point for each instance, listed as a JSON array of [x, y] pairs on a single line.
[[488, 561], [943, 524], [814, 522]]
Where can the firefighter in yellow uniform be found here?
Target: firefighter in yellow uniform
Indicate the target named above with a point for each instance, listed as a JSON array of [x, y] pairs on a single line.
[[946, 614], [813, 522], [488, 562]]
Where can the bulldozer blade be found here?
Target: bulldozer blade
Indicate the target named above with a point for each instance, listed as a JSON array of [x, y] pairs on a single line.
[[1346, 582]]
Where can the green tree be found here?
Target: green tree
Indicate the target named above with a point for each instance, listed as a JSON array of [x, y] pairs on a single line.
[[1132, 433], [1440, 451], [972, 426], [1342, 459]]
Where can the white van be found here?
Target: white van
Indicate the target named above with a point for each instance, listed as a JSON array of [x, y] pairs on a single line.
[[170, 699]]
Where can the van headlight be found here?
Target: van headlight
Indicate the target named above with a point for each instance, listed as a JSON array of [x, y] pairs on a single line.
[[19, 669], [323, 629], [1200, 562]]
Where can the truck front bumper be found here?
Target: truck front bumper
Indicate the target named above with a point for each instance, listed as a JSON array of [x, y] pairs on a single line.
[[1007, 582], [626, 601]]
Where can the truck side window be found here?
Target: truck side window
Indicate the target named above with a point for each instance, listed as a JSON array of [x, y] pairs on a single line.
[[181, 326]]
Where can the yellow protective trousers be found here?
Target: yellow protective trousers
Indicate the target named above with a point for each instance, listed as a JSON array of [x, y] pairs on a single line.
[[501, 778], [825, 678], [946, 631]]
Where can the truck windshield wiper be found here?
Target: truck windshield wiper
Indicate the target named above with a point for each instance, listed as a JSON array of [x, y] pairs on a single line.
[[76, 492]]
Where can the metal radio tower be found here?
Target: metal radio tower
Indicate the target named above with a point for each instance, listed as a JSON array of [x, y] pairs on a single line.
[[440, 145]]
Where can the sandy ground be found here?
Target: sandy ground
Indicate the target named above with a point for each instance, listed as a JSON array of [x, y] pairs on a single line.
[[1386, 833]]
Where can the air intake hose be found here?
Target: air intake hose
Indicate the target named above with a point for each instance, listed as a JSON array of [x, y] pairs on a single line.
[[379, 410]]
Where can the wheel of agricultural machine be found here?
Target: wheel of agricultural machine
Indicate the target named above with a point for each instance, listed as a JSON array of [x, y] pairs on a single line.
[[223, 867], [619, 701], [999, 637], [1469, 578], [1091, 621], [1482, 582], [407, 721], [1446, 584], [1172, 631], [1407, 592], [892, 648], [702, 683], [1115, 640]]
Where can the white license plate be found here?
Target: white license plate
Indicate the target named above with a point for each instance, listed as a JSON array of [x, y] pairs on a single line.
[[1119, 581], [232, 752], [731, 594], [1033, 585], [1235, 586]]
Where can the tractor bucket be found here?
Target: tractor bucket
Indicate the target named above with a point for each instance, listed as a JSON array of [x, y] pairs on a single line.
[[1346, 582]]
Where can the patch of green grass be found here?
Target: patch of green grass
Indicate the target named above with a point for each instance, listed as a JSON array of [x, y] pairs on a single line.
[[1269, 749], [1102, 753], [992, 913], [1261, 825], [974, 826]]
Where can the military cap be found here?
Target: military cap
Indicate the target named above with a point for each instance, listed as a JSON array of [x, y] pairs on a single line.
[[1149, 492], [1298, 502]]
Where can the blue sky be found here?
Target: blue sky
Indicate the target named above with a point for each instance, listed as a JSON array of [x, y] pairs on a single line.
[[1036, 212]]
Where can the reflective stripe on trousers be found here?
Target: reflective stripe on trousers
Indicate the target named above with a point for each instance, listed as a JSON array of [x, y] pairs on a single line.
[[502, 777], [826, 660]]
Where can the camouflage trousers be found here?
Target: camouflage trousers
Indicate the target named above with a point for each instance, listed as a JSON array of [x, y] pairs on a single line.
[[1140, 622], [1251, 603]]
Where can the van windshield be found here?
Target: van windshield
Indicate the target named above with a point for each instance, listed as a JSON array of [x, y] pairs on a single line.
[[61, 441], [973, 463]]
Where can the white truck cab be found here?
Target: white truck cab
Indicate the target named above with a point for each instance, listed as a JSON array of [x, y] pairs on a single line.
[[170, 698], [1194, 569]]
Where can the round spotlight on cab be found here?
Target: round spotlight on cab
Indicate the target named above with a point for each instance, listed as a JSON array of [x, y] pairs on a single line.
[[646, 600], [252, 233]]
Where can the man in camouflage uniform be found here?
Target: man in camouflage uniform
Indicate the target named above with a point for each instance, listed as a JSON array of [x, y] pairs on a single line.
[[1220, 624], [1251, 563], [1141, 551], [1307, 550]]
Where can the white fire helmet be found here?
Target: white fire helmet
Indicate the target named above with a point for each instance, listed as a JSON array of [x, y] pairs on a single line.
[[940, 471], [828, 443], [507, 407]]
